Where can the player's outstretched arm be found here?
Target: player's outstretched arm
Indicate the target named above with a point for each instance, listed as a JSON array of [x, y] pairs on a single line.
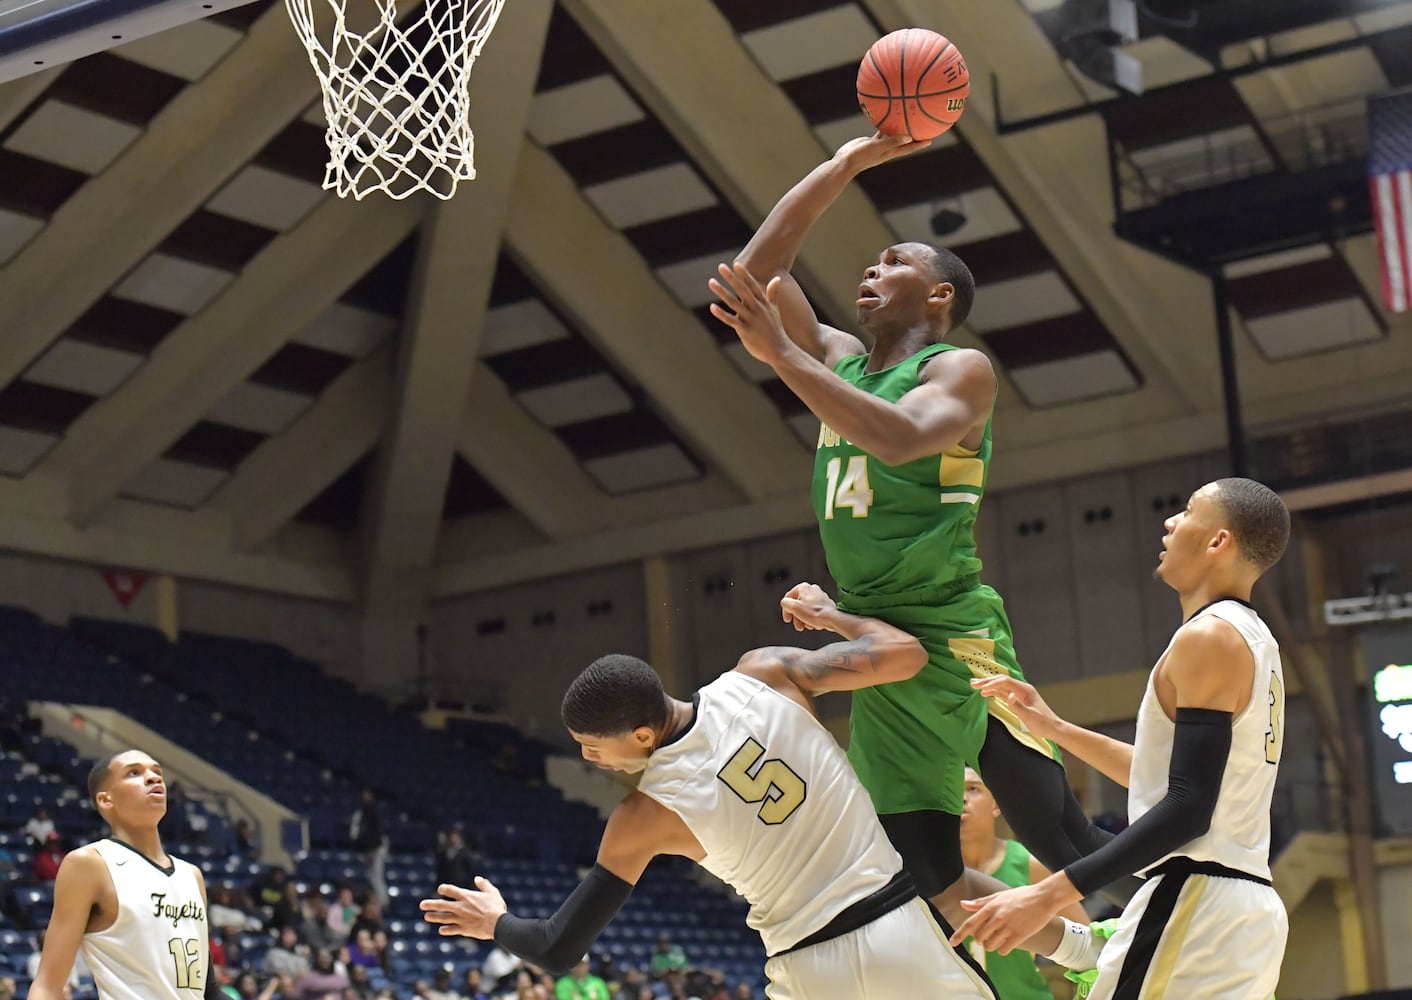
[[873, 652], [954, 394], [76, 892], [1113, 757], [1209, 669], [772, 250], [638, 830]]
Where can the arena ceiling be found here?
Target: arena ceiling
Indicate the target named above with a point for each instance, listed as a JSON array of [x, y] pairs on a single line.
[[214, 368]]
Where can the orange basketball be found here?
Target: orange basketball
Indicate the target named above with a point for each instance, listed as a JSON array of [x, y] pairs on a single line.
[[913, 82]]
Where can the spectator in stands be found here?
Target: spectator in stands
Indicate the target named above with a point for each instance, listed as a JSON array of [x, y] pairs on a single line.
[[580, 984], [358, 983], [80, 966], [500, 967], [455, 865], [634, 982], [7, 988], [245, 987], [369, 919], [322, 978], [365, 832], [242, 841], [40, 826], [217, 947], [225, 914], [472, 987], [287, 912], [343, 913], [47, 860], [9, 907], [314, 929], [268, 889], [11, 733], [235, 956], [441, 988], [175, 826], [744, 991], [362, 950], [666, 956], [288, 957]]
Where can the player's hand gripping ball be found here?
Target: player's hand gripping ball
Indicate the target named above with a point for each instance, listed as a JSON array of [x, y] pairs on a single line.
[[913, 82]]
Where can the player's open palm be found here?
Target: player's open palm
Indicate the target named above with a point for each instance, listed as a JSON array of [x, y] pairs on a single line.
[[751, 310], [465, 912], [807, 606], [1024, 701]]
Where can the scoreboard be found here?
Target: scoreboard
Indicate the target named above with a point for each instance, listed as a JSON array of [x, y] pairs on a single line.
[[1388, 654]]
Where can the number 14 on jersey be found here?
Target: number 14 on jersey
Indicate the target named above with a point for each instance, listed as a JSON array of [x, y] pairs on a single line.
[[849, 490]]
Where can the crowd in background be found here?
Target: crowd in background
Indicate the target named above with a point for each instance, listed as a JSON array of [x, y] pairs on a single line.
[[335, 946]]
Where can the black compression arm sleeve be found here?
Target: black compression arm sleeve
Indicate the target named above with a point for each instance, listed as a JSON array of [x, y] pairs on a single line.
[[1200, 748], [559, 942]]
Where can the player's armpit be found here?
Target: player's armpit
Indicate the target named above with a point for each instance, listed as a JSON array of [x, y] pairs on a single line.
[[76, 891], [1209, 666]]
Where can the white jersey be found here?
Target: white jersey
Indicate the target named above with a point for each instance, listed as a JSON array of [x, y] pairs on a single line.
[[1239, 836], [158, 947], [771, 797]]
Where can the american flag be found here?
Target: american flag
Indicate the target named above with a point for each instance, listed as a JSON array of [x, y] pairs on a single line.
[[1390, 169]]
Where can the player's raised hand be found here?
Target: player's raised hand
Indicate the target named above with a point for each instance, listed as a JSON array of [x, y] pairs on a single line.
[[868, 151], [750, 310], [1024, 700], [807, 606], [465, 912]]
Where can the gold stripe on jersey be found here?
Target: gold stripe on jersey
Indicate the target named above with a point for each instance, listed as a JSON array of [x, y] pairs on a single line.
[[1173, 937], [979, 655], [962, 476]]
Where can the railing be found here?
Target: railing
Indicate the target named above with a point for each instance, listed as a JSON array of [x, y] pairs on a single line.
[[226, 805], [455, 692], [1294, 143], [1331, 450]]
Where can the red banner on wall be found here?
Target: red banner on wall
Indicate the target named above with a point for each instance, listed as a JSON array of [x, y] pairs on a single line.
[[125, 584]]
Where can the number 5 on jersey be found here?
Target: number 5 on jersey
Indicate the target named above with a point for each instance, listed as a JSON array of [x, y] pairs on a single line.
[[774, 783], [850, 491]]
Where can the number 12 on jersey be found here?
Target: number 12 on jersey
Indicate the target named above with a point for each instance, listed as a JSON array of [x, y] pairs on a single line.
[[190, 963], [852, 490]]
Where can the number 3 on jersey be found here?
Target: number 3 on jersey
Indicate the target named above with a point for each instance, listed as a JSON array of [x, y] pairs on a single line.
[[1275, 735], [774, 783], [850, 491]]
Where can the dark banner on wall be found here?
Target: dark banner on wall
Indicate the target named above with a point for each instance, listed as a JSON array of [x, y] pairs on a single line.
[[1388, 653]]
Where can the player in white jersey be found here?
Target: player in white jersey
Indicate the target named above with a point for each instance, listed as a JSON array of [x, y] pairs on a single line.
[[744, 780], [137, 913], [1200, 777]]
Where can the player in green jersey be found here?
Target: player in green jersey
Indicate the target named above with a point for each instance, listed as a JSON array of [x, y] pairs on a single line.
[[1015, 976], [900, 471]]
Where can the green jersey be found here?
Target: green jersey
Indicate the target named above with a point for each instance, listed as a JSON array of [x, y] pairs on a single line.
[[1014, 975], [890, 530]]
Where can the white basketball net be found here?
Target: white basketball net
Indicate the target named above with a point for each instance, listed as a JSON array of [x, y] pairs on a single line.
[[396, 96]]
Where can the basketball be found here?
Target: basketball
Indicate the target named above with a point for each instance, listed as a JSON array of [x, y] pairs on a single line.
[[913, 82]]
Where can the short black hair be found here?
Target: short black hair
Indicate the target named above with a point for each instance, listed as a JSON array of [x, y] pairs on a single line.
[[952, 268], [614, 695], [101, 771], [1259, 519]]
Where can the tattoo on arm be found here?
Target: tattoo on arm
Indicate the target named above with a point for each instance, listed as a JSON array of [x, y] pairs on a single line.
[[817, 669]]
